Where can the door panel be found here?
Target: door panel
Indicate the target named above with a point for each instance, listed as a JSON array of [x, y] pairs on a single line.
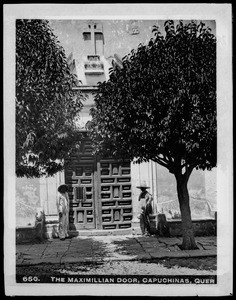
[[83, 200], [80, 178], [115, 195], [99, 190]]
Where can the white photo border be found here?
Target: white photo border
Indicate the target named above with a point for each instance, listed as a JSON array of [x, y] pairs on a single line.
[[222, 14]]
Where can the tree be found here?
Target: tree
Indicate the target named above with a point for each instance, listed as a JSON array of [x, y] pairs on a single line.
[[161, 106], [46, 106]]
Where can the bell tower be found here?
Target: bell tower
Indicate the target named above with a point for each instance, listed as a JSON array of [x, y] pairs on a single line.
[[93, 62]]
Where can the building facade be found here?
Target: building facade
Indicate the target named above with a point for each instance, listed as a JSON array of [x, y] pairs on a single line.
[[103, 193]]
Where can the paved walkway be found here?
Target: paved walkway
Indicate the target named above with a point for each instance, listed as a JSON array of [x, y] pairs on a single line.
[[110, 248]]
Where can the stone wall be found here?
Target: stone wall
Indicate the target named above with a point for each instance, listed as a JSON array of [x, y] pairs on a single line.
[[171, 228], [201, 227], [35, 233]]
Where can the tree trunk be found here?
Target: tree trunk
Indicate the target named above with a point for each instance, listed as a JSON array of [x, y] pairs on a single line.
[[187, 226]]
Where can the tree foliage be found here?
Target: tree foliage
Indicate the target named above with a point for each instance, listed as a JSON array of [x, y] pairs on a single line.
[[46, 105], [162, 104]]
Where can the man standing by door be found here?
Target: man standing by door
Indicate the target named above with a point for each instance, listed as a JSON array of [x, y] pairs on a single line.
[[145, 203]]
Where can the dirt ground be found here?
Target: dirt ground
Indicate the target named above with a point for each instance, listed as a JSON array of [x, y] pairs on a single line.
[[172, 266]]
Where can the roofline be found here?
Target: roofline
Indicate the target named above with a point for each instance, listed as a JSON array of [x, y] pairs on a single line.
[[86, 88]]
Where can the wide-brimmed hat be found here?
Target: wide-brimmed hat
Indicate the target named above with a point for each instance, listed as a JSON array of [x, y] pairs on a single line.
[[143, 185], [63, 188]]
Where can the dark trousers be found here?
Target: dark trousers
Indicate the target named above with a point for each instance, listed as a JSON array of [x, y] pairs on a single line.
[[144, 223]]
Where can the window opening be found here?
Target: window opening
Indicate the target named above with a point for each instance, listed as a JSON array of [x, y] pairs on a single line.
[[87, 36], [98, 36]]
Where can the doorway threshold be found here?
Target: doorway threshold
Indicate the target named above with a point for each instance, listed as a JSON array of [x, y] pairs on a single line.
[[100, 232]]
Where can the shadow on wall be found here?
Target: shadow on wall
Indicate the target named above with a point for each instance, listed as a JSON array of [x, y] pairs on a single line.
[[202, 193], [27, 200], [200, 209]]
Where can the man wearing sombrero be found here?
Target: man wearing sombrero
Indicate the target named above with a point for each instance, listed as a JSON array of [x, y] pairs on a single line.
[[145, 199]]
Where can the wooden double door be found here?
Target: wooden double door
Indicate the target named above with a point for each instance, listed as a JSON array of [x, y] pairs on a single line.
[[99, 190]]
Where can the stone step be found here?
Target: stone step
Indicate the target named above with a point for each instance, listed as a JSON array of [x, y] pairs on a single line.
[[100, 232], [51, 219], [51, 231]]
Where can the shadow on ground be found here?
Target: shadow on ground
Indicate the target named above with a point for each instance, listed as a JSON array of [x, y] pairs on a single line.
[[197, 263]]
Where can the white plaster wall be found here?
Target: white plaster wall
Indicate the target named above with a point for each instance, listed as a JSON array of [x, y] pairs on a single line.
[[201, 186], [48, 192], [27, 200], [202, 193], [117, 35], [34, 195]]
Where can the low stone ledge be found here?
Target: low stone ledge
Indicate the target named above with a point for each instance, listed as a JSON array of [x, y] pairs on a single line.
[[202, 227], [28, 234], [100, 232]]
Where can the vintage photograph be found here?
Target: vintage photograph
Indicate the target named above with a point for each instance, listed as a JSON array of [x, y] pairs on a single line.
[[117, 157]]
